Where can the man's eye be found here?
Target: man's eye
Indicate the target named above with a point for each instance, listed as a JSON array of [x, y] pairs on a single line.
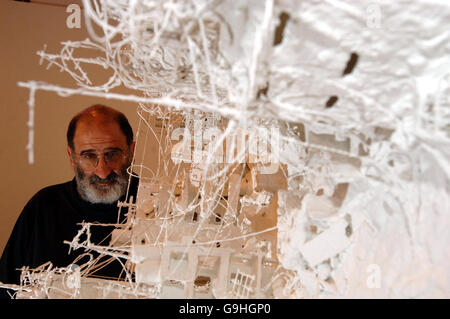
[[89, 156], [114, 155]]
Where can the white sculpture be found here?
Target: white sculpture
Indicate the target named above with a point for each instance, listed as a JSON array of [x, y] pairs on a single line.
[[303, 149]]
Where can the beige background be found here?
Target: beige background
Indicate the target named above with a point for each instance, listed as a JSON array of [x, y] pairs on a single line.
[[25, 29]]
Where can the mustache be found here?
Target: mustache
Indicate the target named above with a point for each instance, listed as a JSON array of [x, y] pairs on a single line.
[[112, 177]]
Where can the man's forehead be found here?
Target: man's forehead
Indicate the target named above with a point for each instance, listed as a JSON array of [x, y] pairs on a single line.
[[98, 134]]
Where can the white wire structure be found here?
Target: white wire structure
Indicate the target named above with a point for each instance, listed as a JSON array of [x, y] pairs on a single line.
[[302, 149]]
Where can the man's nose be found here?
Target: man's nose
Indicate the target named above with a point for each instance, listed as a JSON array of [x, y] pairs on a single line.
[[102, 170]]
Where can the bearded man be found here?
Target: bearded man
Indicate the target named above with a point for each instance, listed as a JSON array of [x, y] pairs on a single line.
[[100, 148]]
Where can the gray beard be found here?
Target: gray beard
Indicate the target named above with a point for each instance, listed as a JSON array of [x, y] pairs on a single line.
[[93, 193]]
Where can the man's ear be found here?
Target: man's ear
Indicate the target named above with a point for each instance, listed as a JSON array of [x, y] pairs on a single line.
[[69, 152], [132, 147]]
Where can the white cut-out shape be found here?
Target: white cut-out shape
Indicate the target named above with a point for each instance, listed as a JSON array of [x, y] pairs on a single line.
[[242, 285]]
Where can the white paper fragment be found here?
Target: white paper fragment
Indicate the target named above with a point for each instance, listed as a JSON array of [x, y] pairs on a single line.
[[326, 245]]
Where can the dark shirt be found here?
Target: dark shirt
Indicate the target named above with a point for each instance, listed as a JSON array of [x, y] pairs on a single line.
[[51, 217]]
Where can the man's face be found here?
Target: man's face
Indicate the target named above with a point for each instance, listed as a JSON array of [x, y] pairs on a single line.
[[100, 159]]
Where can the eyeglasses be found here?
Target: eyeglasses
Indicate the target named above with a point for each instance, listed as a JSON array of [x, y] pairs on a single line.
[[90, 160]]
